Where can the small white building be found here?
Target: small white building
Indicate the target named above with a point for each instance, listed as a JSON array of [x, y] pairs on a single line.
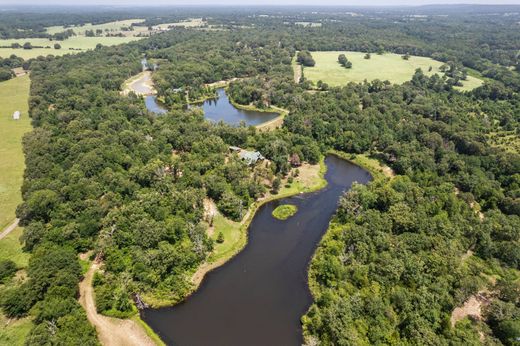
[[16, 115]]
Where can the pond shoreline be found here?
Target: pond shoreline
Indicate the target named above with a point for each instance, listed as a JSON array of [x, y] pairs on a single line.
[[162, 320]]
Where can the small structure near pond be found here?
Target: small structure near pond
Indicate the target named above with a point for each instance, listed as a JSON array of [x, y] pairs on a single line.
[[16, 115], [250, 157]]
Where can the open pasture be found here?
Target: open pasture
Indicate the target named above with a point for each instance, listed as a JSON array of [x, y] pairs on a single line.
[[391, 67], [189, 23], [14, 96], [71, 45], [110, 27]]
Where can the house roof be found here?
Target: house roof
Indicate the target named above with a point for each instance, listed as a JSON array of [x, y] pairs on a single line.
[[250, 156]]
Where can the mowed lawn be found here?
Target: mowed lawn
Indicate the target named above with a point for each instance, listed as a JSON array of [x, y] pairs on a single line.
[[391, 67], [14, 95], [71, 45]]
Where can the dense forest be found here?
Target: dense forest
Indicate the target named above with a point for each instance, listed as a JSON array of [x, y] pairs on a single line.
[[106, 176]]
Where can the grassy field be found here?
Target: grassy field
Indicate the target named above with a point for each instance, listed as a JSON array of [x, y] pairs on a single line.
[[10, 248], [14, 332], [190, 23], [72, 45], [112, 27], [14, 94], [384, 67]]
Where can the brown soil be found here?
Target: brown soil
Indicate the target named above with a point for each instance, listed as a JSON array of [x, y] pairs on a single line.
[[210, 211], [111, 331], [297, 73], [471, 307], [271, 125]]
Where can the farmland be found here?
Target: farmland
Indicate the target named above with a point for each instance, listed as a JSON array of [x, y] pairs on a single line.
[[388, 66], [110, 27], [13, 97], [72, 45]]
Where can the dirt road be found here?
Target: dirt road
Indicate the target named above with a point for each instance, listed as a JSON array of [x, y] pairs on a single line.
[[111, 331], [9, 229], [297, 73]]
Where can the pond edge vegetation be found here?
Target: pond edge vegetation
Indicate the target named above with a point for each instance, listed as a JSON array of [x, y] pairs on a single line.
[[284, 211]]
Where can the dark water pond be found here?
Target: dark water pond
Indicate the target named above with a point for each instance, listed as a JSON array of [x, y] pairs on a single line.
[[259, 296], [153, 105], [220, 109]]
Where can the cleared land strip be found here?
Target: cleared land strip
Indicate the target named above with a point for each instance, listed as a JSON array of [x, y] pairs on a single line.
[[111, 331], [9, 229]]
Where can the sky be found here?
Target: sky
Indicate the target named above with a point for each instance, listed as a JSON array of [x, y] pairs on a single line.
[[251, 2]]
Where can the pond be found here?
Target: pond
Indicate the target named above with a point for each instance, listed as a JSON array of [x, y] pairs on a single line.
[[221, 109], [153, 105], [259, 296]]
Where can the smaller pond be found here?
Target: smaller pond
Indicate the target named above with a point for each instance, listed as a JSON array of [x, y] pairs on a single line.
[[153, 105], [221, 109]]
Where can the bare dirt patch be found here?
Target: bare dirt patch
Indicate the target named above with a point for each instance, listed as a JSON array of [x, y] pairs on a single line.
[[141, 84], [297, 73], [210, 211], [471, 307], [111, 331]]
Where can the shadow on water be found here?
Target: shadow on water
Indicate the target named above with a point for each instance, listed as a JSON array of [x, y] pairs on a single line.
[[221, 109], [259, 296]]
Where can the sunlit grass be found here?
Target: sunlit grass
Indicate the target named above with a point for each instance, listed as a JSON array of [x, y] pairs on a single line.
[[391, 67], [14, 96], [71, 45]]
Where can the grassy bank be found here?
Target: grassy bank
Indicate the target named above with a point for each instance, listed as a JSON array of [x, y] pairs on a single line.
[[376, 168], [235, 233], [149, 331], [276, 122]]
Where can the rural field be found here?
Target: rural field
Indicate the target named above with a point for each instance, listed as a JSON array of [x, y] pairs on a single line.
[[71, 45], [190, 23], [384, 67], [13, 96], [110, 27]]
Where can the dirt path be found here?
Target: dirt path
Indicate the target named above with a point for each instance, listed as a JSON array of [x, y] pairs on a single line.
[[297, 73], [111, 331], [471, 307], [9, 229], [210, 211]]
